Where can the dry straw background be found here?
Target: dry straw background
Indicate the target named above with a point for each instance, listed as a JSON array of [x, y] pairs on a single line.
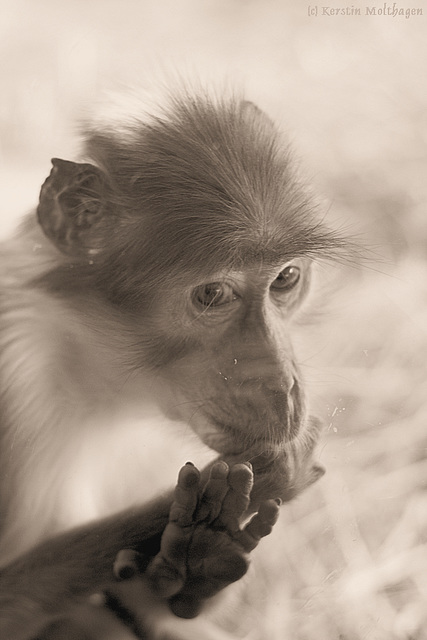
[[348, 560]]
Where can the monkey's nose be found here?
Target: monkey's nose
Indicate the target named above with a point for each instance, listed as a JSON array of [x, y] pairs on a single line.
[[276, 403], [264, 372]]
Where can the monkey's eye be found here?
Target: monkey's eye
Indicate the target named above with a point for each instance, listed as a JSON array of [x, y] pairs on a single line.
[[213, 294], [287, 279]]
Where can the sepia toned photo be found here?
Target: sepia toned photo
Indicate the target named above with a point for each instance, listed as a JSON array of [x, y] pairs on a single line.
[[213, 320]]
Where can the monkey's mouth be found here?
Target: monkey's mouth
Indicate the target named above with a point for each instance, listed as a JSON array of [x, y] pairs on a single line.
[[229, 439], [266, 420]]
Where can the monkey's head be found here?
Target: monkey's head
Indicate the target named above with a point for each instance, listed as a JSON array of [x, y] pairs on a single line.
[[194, 226]]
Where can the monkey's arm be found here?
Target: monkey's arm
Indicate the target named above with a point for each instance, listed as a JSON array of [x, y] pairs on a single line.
[[57, 576], [46, 582], [43, 583]]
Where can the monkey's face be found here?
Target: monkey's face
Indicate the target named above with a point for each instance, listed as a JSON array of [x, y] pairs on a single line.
[[227, 354], [194, 226]]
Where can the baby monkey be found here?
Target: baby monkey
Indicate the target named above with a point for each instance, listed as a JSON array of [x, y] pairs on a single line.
[[152, 297]]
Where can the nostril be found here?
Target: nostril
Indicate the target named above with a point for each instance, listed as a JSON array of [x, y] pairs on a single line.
[[279, 385], [291, 384], [261, 391]]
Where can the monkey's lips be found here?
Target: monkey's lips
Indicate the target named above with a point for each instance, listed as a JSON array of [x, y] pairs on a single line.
[[249, 417], [228, 439]]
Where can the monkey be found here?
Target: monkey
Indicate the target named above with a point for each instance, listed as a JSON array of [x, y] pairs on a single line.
[[150, 301]]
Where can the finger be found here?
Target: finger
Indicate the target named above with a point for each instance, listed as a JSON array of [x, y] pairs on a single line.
[[213, 494], [236, 501], [128, 563], [260, 526], [186, 496], [168, 570]]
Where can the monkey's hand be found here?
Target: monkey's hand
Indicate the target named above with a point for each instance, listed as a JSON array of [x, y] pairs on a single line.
[[203, 549]]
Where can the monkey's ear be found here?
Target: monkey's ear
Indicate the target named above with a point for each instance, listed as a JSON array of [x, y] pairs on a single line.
[[72, 204]]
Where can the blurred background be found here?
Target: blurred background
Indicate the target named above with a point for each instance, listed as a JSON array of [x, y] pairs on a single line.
[[349, 558]]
